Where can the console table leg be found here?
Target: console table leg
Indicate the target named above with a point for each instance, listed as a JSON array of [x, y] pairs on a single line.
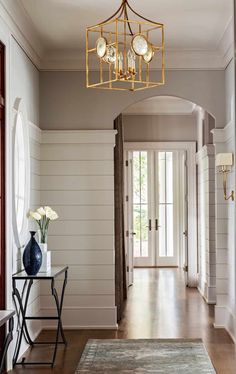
[[23, 309], [59, 305], [8, 340]]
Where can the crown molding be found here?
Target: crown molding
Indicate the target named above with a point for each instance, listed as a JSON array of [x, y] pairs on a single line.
[[14, 15], [174, 60], [21, 28]]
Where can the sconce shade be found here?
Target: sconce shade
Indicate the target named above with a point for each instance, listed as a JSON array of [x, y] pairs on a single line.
[[224, 159]]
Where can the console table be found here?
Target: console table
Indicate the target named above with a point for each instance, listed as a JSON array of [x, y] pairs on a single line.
[[6, 316], [21, 303]]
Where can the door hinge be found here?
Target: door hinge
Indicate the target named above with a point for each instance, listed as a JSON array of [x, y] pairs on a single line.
[[126, 163], [127, 198], [127, 233], [127, 268]]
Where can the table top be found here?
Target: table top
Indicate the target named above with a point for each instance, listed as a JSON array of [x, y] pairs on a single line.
[[5, 315], [52, 273]]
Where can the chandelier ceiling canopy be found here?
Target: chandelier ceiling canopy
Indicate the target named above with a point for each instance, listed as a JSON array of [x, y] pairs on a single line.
[[128, 54]]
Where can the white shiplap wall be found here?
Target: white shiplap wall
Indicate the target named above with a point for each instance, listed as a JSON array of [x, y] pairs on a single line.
[[225, 314], [206, 222], [77, 177]]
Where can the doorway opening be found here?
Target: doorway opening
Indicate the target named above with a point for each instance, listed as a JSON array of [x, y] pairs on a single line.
[[157, 185], [163, 139]]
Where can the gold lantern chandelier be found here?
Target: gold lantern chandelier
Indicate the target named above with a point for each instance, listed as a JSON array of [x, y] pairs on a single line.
[[125, 54]]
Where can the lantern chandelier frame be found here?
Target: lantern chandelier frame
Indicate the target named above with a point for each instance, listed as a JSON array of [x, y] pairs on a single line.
[[124, 54]]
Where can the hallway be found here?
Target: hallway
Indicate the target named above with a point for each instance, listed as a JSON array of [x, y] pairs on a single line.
[[159, 306]]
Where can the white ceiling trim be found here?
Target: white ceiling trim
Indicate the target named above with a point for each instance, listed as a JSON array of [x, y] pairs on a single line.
[[24, 32], [21, 28], [176, 60]]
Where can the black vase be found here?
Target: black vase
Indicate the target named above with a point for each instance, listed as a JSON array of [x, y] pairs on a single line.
[[32, 256]]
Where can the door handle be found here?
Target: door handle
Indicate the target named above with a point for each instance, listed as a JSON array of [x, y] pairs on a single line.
[[149, 225], [156, 224], [133, 233]]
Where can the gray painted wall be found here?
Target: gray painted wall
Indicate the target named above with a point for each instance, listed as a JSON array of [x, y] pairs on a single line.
[[145, 128], [65, 103]]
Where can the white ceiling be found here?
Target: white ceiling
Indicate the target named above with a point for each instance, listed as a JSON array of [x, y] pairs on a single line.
[[162, 105], [190, 24], [198, 33]]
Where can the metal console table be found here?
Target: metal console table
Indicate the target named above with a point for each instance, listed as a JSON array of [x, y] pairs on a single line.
[[6, 316], [21, 302]]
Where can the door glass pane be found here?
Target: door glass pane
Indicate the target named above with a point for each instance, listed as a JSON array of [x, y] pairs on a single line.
[[169, 233], [166, 207], [162, 230], [140, 204]]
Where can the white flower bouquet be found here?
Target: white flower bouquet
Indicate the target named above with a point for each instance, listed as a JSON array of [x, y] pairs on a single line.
[[43, 216]]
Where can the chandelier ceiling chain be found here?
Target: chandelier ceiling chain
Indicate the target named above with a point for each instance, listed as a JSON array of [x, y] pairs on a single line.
[[124, 50]]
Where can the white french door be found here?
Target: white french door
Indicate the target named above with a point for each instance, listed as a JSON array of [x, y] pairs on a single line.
[[153, 193]]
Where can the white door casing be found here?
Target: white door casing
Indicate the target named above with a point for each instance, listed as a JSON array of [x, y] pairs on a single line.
[[189, 148]]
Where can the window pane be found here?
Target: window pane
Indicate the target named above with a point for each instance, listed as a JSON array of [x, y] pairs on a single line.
[[136, 226], [144, 231], [169, 177], [136, 177], [143, 177], [166, 199], [162, 177], [140, 203], [162, 231], [170, 230]]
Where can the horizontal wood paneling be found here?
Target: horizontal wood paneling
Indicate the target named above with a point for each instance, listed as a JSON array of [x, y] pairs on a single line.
[[89, 242], [83, 213], [77, 180], [82, 257], [82, 228], [73, 301], [73, 152], [90, 318], [76, 168], [77, 197], [82, 287], [90, 272], [77, 183]]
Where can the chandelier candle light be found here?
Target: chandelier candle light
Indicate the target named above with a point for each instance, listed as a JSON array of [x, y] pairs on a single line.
[[43, 216], [125, 54]]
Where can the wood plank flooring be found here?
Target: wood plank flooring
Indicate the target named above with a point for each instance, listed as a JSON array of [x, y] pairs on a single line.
[[159, 306]]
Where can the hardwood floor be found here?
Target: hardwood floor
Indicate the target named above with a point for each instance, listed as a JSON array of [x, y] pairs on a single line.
[[159, 306]]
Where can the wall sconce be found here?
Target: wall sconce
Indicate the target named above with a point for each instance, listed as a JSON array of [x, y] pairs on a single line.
[[224, 163]]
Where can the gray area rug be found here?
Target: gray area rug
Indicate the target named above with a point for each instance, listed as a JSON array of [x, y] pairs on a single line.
[[145, 356]]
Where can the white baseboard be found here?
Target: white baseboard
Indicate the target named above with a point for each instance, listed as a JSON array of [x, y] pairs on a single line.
[[208, 295], [224, 318], [24, 346], [76, 327]]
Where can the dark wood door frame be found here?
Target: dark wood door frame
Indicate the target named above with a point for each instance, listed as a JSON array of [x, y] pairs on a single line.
[[2, 187]]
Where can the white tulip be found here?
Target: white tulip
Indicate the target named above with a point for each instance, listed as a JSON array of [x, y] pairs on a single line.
[[53, 216], [48, 211], [36, 216], [41, 211]]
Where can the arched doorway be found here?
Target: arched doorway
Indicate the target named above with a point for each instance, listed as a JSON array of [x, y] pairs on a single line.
[[154, 128]]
